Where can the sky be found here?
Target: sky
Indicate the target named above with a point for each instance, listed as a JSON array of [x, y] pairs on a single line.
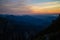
[[29, 7]]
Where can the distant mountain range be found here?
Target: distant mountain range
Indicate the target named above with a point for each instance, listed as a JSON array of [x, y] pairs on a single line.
[[30, 22]]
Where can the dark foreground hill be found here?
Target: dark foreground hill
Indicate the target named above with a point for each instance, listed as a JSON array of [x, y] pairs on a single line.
[[23, 27], [50, 33]]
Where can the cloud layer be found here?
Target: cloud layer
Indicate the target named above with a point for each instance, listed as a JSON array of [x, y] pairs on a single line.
[[23, 7], [47, 7], [13, 6]]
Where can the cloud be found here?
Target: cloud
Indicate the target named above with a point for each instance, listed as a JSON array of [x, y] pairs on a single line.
[[46, 7], [14, 6]]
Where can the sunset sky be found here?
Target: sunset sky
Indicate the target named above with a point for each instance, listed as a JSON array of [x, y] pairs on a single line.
[[29, 6]]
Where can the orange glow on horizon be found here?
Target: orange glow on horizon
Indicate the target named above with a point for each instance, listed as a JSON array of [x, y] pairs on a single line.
[[42, 10], [46, 11]]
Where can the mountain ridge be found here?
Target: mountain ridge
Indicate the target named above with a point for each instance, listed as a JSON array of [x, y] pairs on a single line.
[[30, 22]]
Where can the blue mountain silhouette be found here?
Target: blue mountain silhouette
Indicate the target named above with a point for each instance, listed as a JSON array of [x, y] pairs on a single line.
[[30, 22]]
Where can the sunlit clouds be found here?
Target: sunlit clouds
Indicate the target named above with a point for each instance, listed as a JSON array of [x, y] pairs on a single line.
[[48, 7], [25, 7]]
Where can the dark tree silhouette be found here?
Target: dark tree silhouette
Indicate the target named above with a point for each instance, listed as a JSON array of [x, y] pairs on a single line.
[[3, 23]]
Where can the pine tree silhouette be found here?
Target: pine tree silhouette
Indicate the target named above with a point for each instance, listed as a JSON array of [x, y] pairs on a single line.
[[3, 23]]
